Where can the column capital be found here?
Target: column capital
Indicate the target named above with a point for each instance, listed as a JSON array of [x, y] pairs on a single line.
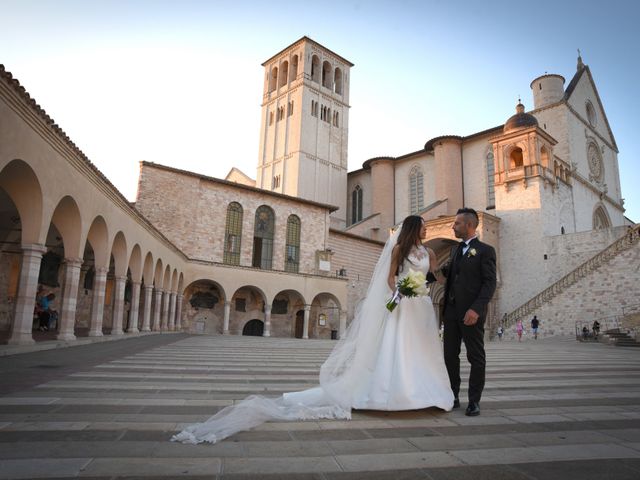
[[307, 308], [120, 278], [101, 270], [34, 248], [73, 262], [148, 287], [267, 308], [227, 303]]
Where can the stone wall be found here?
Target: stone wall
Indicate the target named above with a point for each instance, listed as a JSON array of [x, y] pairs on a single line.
[[191, 211], [602, 293], [358, 257]]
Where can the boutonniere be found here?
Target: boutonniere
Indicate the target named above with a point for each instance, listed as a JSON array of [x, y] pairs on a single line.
[[472, 252]]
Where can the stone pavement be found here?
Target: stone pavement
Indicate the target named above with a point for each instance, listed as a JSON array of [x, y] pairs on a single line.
[[552, 409]]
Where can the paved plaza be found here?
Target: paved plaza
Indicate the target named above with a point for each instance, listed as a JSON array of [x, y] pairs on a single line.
[[552, 409]]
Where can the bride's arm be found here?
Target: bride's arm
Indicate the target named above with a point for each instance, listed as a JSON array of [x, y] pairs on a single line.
[[393, 268], [433, 266]]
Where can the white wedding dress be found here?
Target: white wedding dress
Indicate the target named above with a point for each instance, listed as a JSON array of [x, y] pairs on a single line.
[[384, 361]]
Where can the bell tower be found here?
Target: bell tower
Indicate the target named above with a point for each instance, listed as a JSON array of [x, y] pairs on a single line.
[[304, 126]]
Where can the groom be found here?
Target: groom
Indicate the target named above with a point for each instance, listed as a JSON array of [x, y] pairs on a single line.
[[471, 281]]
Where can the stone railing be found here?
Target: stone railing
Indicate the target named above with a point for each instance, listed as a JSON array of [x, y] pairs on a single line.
[[630, 238]]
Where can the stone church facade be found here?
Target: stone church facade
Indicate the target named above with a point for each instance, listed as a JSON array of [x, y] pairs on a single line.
[[291, 253]]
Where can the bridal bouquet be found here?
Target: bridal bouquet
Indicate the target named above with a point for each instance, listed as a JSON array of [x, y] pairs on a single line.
[[412, 285]]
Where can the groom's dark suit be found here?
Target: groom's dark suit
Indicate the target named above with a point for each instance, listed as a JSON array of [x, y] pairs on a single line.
[[471, 282]]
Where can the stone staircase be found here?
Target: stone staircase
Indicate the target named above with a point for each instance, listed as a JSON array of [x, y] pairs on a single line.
[[619, 339], [557, 305]]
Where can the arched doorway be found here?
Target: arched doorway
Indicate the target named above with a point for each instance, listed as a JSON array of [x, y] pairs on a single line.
[[299, 324], [253, 328]]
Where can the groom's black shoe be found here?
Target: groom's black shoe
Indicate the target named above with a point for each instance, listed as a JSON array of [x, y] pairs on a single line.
[[456, 403], [473, 410]]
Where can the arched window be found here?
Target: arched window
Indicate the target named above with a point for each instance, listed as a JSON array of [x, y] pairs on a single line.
[[274, 79], [516, 159], [315, 69], [544, 157], [337, 81], [283, 77], [335, 119], [263, 238], [326, 74], [293, 68], [292, 262], [491, 182], [233, 234], [601, 219], [270, 118], [416, 190], [356, 204]]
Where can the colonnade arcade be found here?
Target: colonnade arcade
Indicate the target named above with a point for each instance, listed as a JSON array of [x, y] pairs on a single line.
[[109, 276], [229, 308]]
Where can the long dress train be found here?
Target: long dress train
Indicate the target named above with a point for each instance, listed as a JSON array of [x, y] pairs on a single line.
[[385, 361]]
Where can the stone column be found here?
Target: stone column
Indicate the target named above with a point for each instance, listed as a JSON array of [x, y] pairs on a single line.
[[267, 321], [165, 311], [26, 299], [343, 323], [67, 319], [118, 305], [179, 312], [146, 314], [156, 310], [172, 311], [97, 302], [227, 315], [135, 308], [305, 323]]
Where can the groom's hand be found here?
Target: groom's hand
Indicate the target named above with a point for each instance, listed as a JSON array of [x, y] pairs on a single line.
[[470, 318]]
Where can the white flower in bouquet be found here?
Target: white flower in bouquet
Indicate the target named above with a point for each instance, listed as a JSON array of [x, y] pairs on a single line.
[[414, 284]]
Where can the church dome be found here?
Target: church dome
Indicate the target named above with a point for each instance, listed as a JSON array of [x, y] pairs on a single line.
[[520, 120]]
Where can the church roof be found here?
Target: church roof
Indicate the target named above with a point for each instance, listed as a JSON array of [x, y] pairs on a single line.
[[520, 120], [585, 70], [260, 191], [303, 39]]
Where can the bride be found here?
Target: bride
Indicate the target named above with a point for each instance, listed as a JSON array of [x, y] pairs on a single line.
[[385, 360]]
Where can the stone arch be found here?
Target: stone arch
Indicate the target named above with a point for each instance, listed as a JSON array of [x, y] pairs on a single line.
[[544, 157], [247, 302], [337, 81], [119, 254], [263, 237], [283, 316], [174, 280], [135, 263], [157, 274], [67, 220], [516, 158], [273, 80], [253, 328], [315, 68], [166, 278], [327, 78], [327, 304], [601, 219], [181, 283], [284, 69], [203, 307], [147, 270], [293, 68], [98, 237], [21, 184]]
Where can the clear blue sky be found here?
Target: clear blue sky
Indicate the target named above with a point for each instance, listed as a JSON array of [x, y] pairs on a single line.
[[180, 82]]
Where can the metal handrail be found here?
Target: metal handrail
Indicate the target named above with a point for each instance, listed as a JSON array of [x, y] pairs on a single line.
[[630, 238]]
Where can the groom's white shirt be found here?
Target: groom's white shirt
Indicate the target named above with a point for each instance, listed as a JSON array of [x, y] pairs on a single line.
[[466, 245]]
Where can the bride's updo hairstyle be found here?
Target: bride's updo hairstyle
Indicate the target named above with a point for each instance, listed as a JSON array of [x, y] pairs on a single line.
[[409, 237]]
